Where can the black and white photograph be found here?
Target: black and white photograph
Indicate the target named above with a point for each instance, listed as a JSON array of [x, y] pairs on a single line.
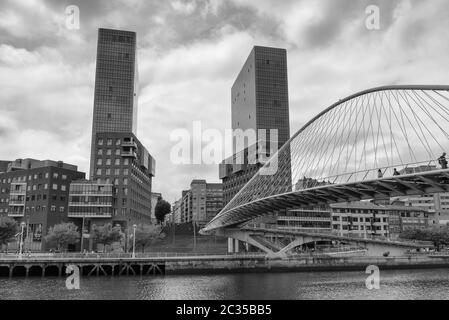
[[235, 152]]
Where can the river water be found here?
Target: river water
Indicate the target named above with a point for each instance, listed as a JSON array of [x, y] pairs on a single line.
[[394, 284]]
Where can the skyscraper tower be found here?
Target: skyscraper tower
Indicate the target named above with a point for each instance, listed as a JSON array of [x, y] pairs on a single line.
[[118, 158], [116, 85], [260, 93], [259, 101]]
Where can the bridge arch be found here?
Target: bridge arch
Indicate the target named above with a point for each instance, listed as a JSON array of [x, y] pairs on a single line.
[[350, 151]]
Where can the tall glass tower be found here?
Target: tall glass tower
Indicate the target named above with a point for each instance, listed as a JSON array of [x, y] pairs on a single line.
[[259, 101], [116, 85]]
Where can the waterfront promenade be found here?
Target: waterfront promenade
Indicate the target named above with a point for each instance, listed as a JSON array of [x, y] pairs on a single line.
[[43, 265]]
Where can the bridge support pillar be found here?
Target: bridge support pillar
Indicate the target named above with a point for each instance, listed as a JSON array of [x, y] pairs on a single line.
[[230, 245], [236, 246]]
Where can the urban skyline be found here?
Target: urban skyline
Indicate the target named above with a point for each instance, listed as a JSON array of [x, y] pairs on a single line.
[[322, 50], [224, 150]]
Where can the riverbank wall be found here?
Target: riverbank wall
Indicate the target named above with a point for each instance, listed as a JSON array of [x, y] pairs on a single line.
[[92, 266]]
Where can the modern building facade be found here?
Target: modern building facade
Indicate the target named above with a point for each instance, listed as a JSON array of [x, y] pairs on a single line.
[[118, 157], [259, 102], [402, 218], [116, 83], [37, 193], [436, 204], [154, 198], [177, 212], [200, 203], [121, 160], [355, 219], [317, 220], [365, 219], [90, 203]]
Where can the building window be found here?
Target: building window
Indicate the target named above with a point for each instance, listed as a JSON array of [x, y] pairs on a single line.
[[117, 142], [99, 162], [100, 142], [53, 208], [125, 181], [117, 172], [100, 152], [61, 209], [98, 172], [46, 175], [125, 172], [117, 162], [109, 142], [63, 187], [108, 152], [108, 162], [117, 152], [108, 172], [55, 186], [55, 175]]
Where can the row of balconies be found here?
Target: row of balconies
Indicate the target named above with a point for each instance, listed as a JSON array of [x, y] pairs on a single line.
[[131, 153], [89, 215]]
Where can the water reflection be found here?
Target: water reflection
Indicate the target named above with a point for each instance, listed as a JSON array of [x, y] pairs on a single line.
[[401, 284]]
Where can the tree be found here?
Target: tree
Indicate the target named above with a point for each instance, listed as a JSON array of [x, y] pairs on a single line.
[[106, 234], [147, 235], [8, 229], [438, 236], [161, 210], [62, 235]]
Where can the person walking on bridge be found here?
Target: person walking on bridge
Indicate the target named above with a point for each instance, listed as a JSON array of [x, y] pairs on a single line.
[[396, 173], [442, 161], [380, 175]]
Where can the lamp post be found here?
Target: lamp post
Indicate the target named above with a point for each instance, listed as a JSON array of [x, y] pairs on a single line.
[[22, 225], [194, 234], [134, 241], [82, 232]]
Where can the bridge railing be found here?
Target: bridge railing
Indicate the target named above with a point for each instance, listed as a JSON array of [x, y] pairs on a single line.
[[369, 174], [72, 255]]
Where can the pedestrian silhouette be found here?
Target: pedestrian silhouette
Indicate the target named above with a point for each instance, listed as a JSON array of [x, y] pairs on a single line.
[[380, 174], [443, 161], [396, 173]]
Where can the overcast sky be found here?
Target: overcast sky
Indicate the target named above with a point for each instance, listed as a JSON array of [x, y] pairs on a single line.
[[189, 55]]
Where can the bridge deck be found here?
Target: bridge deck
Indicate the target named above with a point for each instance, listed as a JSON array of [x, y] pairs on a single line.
[[384, 188]]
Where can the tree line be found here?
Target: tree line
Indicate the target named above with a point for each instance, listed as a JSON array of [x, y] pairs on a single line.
[[60, 236]]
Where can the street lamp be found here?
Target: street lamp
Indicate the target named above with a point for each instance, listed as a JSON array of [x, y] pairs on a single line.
[[82, 233], [134, 240], [22, 225]]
